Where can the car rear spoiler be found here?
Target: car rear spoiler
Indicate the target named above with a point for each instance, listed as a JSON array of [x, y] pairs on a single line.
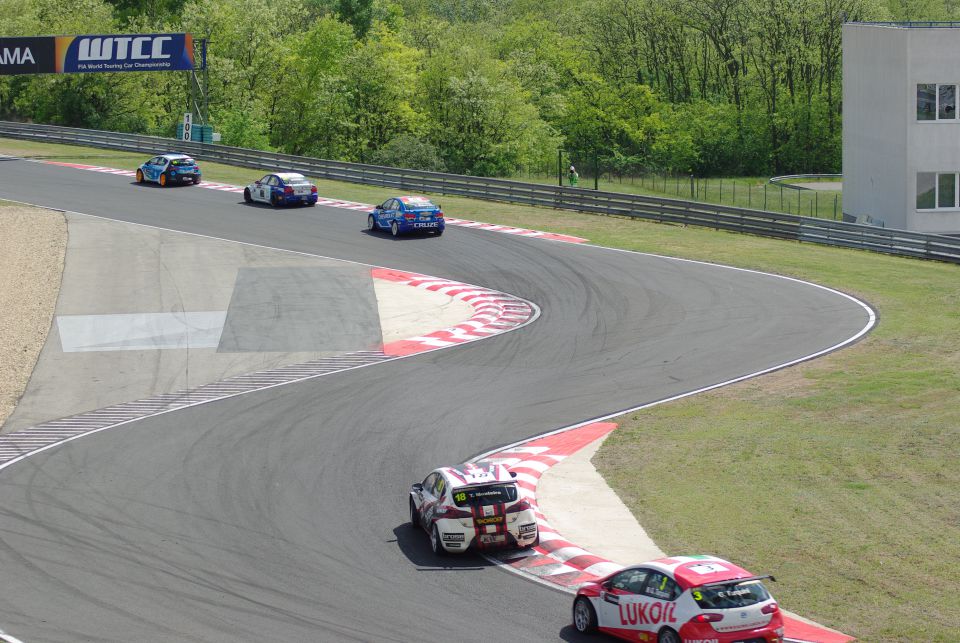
[[739, 580]]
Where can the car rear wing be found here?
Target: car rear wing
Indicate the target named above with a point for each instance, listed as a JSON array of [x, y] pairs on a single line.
[[738, 580]]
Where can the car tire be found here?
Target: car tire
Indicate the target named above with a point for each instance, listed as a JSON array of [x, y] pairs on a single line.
[[584, 616], [436, 544], [414, 516], [371, 223], [247, 196], [139, 176], [163, 180], [274, 200], [667, 635], [196, 180], [394, 229], [439, 232]]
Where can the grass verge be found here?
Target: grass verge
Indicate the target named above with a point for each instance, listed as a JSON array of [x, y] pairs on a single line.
[[839, 476]]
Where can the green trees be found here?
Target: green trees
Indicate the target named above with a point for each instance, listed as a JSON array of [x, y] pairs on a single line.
[[482, 87]]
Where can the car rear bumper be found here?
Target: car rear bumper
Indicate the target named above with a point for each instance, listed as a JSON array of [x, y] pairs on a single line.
[[457, 538], [421, 226], [296, 199]]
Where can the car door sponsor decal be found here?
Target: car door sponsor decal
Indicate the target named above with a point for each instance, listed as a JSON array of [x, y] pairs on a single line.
[[647, 613]]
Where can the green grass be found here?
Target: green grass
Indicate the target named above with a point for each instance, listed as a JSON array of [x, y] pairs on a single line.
[[742, 192], [840, 476]]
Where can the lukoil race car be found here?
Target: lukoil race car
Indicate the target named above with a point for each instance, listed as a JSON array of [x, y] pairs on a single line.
[[283, 188], [407, 214], [681, 599], [472, 506], [170, 168]]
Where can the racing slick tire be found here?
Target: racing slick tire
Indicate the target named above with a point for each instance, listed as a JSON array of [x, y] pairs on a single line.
[[196, 180], [163, 180], [436, 545], [139, 176], [371, 223], [438, 232], [394, 229], [667, 635], [274, 200], [584, 616], [414, 515], [246, 195]]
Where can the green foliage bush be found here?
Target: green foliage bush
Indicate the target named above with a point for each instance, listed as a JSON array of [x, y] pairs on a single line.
[[486, 87]]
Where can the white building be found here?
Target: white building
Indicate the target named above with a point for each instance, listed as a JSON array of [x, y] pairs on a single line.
[[901, 125]]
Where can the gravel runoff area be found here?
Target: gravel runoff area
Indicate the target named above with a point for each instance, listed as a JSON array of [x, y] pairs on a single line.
[[32, 246]]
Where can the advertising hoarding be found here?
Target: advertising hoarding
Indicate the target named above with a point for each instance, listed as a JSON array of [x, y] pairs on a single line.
[[93, 53]]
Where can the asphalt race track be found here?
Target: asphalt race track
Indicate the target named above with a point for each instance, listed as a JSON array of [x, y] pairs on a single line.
[[281, 515]]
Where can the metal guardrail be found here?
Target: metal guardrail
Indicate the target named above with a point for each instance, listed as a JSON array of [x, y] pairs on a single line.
[[756, 222]]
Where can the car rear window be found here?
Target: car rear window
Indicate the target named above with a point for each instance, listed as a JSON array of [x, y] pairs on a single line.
[[179, 162], [418, 203], [485, 495], [730, 595]]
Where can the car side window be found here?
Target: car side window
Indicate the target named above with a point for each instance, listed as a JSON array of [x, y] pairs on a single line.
[[630, 580], [392, 204], [429, 481], [440, 487], [661, 586]]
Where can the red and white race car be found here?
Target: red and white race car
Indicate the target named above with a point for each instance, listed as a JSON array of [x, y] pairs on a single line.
[[472, 506], [688, 599]]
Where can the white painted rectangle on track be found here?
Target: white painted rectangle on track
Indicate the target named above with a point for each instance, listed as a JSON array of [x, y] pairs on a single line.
[[140, 331]]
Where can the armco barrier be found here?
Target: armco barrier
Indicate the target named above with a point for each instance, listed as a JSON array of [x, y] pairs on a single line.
[[756, 222]]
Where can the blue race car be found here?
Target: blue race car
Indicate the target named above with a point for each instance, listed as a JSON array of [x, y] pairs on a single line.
[[171, 168], [286, 188], [406, 214]]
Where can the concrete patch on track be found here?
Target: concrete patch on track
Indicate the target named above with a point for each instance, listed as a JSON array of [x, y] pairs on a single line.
[[557, 561], [103, 359], [346, 205], [145, 312]]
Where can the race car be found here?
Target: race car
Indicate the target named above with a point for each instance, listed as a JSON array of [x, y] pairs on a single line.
[[171, 168], [681, 599], [406, 214], [284, 188], [472, 506]]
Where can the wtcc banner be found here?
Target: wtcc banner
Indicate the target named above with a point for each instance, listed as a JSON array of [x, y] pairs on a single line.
[[85, 54]]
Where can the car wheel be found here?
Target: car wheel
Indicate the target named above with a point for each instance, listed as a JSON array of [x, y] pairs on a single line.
[[435, 543], [274, 200], [394, 229], [139, 176], [196, 180], [668, 636], [247, 196], [371, 223], [584, 616], [163, 180], [414, 515], [439, 232]]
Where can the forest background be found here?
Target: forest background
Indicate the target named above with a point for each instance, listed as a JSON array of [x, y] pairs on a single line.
[[481, 87]]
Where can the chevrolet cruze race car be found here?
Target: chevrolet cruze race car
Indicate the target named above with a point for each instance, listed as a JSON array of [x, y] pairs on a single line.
[[286, 188], [168, 169], [472, 506], [681, 599], [406, 214]]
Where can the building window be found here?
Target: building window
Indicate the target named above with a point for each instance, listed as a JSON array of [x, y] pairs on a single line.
[[936, 102], [946, 190], [938, 190]]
